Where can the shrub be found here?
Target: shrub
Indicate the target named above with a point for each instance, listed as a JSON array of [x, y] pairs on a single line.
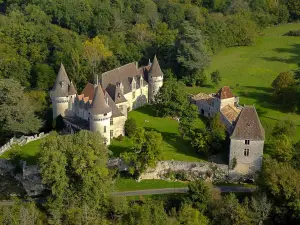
[[293, 33], [130, 127]]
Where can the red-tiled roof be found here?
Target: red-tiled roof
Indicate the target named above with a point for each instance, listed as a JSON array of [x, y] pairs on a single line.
[[224, 93]]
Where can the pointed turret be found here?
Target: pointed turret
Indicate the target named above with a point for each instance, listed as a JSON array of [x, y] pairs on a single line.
[[62, 82], [99, 105], [72, 89], [155, 70]]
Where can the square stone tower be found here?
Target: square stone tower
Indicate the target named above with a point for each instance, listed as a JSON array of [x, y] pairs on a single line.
[[247, 142]]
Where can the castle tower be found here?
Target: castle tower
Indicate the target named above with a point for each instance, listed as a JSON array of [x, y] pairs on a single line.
[[155, 79], [100, 114], [60, 93], [72, 92]]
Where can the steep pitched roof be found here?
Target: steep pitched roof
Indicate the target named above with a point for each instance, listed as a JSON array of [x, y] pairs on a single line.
[[224, 93], [122, 74], [230, 112], [72, 89], [115, 93], [155, 70], [248, 125], [88, 90], [62, 82], [99, 105], [115, 110]]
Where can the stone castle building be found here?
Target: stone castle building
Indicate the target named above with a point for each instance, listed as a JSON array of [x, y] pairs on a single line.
[[103, 106], [242, 124]]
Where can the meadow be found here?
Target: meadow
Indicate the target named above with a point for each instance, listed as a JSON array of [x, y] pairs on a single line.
[[174, 147], [249, 71]]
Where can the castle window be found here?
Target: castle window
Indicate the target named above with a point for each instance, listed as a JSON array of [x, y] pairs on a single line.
[[133, 94], [121, 107], [105, 114], [104, 129], [111, 134], [111, 121], [246, 152], [247, 142]]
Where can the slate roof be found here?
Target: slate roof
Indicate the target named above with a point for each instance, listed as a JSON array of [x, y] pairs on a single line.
[[61, 85], [248, 126], [115, 110], [155, 70], [122, 74], [99, 105], [116, 94], [72, 89], [224, 93]]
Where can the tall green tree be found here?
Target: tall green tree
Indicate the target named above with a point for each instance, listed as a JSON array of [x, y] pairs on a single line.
[[74, 168], [16, 111], [192, 54]]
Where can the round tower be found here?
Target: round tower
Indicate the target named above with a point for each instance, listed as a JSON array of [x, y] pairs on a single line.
[[100, 115], [60, 94], [155, 79]]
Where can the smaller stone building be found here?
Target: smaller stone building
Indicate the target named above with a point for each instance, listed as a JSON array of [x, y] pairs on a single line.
[[242, 124], [247, 142]]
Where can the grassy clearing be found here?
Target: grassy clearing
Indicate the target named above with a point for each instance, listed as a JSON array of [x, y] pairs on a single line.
[[174, 146], [123, 184], [28, 152], [254, 68]]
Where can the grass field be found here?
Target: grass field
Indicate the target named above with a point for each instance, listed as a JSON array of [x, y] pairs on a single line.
[[28, 152], [254, 68], [123, 184], [174, 146]]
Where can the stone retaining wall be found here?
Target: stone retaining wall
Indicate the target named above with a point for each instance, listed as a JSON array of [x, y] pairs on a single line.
[[21, 141], [193, 170]]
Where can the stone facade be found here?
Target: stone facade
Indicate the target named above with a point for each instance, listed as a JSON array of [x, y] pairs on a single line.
[[242, 124], [103, 106]]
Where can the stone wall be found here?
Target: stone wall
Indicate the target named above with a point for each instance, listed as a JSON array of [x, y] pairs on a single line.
[[194, 170], [21, 141]]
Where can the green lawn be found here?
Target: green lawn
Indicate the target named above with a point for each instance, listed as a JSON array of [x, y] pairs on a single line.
[[123, 184], [28, 152], [254, 68], [174, 146]]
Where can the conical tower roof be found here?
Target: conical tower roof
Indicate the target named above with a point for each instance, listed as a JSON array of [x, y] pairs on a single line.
[[99, 105], [155, 70], [72, 89], [62, 82]]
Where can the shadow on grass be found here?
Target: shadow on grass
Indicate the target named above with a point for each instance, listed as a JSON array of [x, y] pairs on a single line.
[[293, 59], [265, 98], [148, 110]]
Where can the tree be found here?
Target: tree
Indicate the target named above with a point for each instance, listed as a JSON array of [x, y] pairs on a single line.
[[296, 156], [284, 127], [215, 77], [74, 168], [294, 8], [280, 181], [282, 148], [261, 208], [284, 87], [94, 52], [188, 120], [192, 54], [131, 127], [190, 216], [228, 211], [17, 113], [200, 194], [171, 99], [146, 151]]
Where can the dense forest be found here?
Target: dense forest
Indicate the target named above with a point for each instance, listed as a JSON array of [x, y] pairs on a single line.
[[36, 36]]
